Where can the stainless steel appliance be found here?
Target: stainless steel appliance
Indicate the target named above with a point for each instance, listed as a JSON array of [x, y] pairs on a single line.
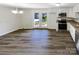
[[62, 23]]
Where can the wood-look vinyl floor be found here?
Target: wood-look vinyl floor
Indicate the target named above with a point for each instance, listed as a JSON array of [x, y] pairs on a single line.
[[37, 42]]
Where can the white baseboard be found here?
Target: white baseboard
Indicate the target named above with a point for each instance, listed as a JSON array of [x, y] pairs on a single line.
[[8, 32]]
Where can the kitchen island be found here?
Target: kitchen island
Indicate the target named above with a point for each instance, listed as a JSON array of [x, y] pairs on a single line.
[[73, 28]]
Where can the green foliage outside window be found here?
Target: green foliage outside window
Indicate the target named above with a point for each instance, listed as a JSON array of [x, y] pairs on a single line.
[[44, 18]]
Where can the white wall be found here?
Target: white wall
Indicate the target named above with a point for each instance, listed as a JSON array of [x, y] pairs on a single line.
[[51, 20], [8, 21], [27, 19], [28, 16]]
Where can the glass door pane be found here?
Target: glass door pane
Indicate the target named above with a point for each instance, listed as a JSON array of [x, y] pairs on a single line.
[[36, 20], [44, 20]]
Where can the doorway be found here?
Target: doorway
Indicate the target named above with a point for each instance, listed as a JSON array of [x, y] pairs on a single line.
[[40, 20]]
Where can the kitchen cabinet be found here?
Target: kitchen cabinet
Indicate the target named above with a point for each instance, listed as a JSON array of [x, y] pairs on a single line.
[[71, 29], [76, 37], [71, 13], [76, 8], [68, 26], [77, 41]]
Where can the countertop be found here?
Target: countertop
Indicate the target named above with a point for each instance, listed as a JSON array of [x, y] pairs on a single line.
[[74, 24]]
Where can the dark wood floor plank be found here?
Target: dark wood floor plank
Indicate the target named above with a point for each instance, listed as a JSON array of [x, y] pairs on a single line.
[[45, 42]]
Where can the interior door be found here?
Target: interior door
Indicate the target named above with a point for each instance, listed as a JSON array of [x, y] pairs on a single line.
[[52, 21]]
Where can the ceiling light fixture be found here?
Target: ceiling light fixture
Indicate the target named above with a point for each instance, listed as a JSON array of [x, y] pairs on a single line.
[[20, 12], [17, 11], [14, 11], [57, 4]]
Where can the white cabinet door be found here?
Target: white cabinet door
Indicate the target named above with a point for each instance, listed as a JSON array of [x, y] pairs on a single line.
[[76, 8], [71, 12], [68, 26], [71, 29]]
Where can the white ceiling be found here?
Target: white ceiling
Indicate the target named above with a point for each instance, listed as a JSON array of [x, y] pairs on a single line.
[[38, 5]]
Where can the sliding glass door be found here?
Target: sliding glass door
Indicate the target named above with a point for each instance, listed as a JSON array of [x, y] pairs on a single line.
[[40, 20]]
